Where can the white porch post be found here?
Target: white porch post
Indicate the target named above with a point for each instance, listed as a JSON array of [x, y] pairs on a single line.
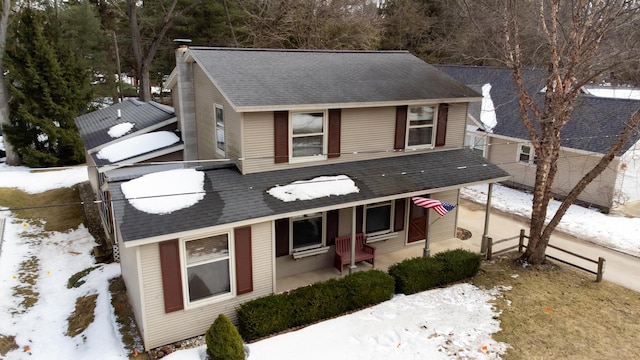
[[427, 236], [352, 265], [485, 235]]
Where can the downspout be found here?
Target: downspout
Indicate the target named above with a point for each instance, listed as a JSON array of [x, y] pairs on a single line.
[[485, 235]]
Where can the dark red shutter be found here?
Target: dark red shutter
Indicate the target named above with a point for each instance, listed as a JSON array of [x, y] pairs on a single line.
[[398, 216], [441, 128], [401, 127], [244, 262], [282, 237], [359, 219], [281, 136], [335, 116], [171, 275], [332, 226]]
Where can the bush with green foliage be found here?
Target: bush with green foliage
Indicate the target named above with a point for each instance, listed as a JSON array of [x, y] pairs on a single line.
[[419, 274], [278, 312], [224, 341]]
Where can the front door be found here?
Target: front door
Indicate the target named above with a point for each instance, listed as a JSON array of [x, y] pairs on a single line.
[[417, 223]]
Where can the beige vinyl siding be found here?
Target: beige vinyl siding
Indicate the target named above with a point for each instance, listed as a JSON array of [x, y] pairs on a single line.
[[444, 227], [175, 96], [571, 168], [163, 328], [366, 133], [206, 98], [131, 276], [287, 266]]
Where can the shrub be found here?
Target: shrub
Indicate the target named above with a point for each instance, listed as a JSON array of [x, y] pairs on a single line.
[[419, 274], [224, 341], [275, 313]]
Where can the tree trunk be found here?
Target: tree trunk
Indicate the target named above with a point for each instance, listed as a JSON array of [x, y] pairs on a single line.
[[12, 158]]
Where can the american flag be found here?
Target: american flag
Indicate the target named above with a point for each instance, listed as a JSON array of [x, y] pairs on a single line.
[[440, 207]]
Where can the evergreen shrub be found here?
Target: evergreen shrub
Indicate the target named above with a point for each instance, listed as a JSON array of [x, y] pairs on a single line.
[[302, 306], [224, 341], [458, 264]]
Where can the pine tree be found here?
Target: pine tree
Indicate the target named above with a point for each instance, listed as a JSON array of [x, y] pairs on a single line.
[[48, 87]]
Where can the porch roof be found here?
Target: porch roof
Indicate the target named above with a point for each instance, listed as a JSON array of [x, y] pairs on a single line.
[[233, 199]]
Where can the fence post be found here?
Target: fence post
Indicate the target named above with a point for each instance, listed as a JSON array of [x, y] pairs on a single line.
[[489, 247], [601, 262], [521, 241]]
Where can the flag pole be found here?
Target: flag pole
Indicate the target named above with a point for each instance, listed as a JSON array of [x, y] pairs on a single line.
[[427, 236]]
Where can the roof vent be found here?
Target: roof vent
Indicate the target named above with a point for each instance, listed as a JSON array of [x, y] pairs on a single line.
[[119, 114]]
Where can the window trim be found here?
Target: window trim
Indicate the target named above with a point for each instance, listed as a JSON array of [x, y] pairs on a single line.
[[188, 304], [323, 240], [433, 127], [220, 152], [531, 154], [325, 135], [391, 204]]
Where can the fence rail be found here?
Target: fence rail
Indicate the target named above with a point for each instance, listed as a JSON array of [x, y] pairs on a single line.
[[521, 245]]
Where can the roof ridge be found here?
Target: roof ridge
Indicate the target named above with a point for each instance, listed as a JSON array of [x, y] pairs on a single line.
[[216, 48]]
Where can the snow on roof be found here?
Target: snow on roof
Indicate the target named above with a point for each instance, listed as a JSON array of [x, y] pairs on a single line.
[[137, 145], [613, 92], [319, 187], [488, 111], [164, 192], [119, 130]]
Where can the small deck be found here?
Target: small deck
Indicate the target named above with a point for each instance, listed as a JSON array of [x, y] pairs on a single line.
[[383, 261]]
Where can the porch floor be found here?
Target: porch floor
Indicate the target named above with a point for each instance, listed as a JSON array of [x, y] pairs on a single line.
[[383, 261]]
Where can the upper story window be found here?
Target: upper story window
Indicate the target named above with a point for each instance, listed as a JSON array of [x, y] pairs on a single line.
[[476, 142], [420, 125], [208, 268], [378, 218], [526, 154], [307, 232], [219, 120], [308, 135]]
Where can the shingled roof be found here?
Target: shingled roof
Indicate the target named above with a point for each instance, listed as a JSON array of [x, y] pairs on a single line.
[[595, 122], [94, 126], [232, 197], [253, 79]]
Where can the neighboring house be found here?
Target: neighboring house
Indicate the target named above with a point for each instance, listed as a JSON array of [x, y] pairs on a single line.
[[594, 126], [364, 130], [125, 134]]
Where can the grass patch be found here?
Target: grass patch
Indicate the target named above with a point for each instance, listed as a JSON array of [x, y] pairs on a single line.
[[125, 319], [27, 275], [77, 279], [82, 316], [557, 312], [45, 206], [7, 343]]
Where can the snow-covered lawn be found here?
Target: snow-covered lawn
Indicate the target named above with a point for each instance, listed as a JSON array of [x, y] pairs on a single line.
[[457, 321]]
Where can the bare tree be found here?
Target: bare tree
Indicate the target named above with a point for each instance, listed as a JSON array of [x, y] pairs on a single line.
[[12, 156], [144, 54], [575, 35], [313, 24]]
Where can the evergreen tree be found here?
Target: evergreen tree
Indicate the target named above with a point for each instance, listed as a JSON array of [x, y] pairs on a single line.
[[48, 87]]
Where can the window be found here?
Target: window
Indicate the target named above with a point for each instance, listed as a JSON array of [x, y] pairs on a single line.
[[219, 120], [421, 125], [378, 218], [526, 154], [208, 267], [308, 135], [307, 232], [475, 142]]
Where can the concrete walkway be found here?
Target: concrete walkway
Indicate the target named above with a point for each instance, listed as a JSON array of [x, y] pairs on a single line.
[[620, 268]]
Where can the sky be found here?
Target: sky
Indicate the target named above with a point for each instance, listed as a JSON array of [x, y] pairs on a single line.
[[433, 324]]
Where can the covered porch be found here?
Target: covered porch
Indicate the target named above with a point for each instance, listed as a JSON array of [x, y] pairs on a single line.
[[383, 262]]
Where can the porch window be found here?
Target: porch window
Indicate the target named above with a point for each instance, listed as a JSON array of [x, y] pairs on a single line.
[[421, 123], [219, 120], [308, 136], [378, 218], [307, 232], [526, 154], [208, 267]]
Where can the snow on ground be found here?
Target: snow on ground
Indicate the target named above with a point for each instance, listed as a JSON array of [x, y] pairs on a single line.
[[431, 325]]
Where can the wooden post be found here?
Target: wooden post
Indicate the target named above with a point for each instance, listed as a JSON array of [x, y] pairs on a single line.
[[521, 241], [601, 262], [489, 248]]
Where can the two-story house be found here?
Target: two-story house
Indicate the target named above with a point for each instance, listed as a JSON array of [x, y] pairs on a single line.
[[293, 148]]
